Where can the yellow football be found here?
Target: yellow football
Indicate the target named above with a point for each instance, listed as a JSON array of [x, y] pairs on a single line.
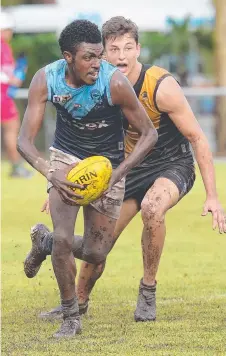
[[94, 174]]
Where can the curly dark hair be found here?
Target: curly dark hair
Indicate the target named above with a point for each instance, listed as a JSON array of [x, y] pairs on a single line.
[[119, 26], [77, 32]]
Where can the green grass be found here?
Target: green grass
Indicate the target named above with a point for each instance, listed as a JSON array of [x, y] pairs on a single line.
[[191, 290]]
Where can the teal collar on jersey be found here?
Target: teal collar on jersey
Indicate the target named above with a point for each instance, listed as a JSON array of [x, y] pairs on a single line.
[[78, 101]]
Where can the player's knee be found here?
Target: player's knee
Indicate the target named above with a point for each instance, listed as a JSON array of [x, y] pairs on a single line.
[[94, 256], [100, 269], [151, 210], [62, 240]]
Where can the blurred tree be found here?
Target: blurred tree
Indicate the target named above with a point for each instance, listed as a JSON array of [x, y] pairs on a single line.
[[220, 55], [40, 50], [156, 42], [5, 3], [26, 2], [180, 38], [205, 47], [177, 44]]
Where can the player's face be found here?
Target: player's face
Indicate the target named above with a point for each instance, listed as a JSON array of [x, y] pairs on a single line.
[[85, 64], [122, 52]]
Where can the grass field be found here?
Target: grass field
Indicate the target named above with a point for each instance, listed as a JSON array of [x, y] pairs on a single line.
[[191, 294]]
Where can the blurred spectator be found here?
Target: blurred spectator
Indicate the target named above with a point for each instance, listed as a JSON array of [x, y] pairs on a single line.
[[19, 72], [10, 79]]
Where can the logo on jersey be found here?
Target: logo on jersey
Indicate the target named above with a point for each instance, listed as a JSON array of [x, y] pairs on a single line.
[[96, 95], [90, 126], [78, 123], [144, 95], [144, 98], [61, 99], [77, 106]]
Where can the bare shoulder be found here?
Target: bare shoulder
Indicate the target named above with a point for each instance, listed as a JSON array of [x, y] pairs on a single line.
[[119, 80], [38, 86], [169, 94], [168, 87], [121, 89], [39, 79]]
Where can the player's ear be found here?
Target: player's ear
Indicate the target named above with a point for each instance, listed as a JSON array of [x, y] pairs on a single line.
[[104, 56], [68, 57]]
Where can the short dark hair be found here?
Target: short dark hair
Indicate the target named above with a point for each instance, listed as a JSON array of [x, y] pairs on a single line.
[[77, 32], [119, 26]]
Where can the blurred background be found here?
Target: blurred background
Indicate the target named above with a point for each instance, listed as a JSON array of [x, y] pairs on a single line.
[[187, 40]]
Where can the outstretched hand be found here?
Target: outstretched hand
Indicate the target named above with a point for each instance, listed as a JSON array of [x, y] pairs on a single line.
[[213, 206], [45, 207]]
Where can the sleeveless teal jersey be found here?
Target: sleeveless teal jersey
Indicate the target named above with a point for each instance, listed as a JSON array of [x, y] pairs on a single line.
[[87, 122]]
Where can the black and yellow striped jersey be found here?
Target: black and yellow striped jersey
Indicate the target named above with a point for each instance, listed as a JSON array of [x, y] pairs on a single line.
[[171, 143]]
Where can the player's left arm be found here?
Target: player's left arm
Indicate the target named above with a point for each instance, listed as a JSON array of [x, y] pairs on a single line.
[[170, 99], [122, 94]]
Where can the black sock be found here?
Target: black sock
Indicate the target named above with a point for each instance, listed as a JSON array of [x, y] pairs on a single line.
[[147, 286], [70, 308]]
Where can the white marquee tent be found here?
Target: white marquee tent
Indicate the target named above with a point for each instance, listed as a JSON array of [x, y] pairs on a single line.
[[148, 14]]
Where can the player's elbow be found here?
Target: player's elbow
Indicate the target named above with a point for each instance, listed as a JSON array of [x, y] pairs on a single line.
[[21, 145], [196, 139], [152, 137]]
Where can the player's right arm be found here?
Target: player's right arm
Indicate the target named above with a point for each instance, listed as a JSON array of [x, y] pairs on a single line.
[[33, 118], [170, 99]]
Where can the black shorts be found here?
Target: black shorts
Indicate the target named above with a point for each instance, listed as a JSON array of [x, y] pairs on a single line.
[[181, 172]]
